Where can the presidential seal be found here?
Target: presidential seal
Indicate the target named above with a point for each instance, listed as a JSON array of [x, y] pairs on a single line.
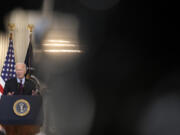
[[21, 107]]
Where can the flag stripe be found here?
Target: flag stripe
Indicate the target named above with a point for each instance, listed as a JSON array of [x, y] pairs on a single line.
[[2, 83], [1, 89]]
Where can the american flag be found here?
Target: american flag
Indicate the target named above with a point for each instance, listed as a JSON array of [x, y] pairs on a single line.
[[8, 70]]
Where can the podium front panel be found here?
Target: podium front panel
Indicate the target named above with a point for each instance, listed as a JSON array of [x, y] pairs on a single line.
[[8, 115]]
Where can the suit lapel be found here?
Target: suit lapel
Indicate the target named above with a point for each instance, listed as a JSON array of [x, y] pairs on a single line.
[[25, 85], [16, 86]]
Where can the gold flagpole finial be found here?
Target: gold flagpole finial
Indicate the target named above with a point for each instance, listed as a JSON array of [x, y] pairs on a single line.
[[11, 26], [30, 27]]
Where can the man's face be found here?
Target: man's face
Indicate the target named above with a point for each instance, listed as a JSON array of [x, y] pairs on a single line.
[[20, 70]]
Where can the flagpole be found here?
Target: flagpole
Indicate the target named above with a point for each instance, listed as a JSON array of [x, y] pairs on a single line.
[[8, 70], [11, 27]]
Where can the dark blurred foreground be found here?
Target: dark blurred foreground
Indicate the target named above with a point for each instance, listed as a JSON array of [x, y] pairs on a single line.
[[127, 79]]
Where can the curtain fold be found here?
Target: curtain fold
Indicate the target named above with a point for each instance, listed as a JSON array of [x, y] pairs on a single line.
[[4, 42]]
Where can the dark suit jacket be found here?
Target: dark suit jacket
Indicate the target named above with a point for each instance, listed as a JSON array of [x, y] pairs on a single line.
[[12, 86]]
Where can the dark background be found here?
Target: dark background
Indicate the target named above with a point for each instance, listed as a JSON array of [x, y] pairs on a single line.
[[131, 49]]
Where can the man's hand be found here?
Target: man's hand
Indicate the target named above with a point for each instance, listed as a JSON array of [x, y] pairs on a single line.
[[10, 93], [34, 92], [2, 130]]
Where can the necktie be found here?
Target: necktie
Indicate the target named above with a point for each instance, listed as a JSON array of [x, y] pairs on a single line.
[[21, 87]]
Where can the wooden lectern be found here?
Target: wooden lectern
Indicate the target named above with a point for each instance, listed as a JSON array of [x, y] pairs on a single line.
[[21, 115]]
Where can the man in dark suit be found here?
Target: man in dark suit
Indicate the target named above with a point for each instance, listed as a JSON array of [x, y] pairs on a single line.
[[20, 85]]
